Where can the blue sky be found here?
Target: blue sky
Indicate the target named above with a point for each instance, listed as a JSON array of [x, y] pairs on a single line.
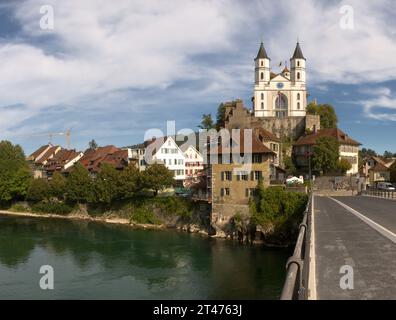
[[110, 70]]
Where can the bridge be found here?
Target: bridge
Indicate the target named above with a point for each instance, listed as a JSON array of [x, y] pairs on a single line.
[[346, 249]]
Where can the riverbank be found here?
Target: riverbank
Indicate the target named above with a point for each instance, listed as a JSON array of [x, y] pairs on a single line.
[[111, 220]]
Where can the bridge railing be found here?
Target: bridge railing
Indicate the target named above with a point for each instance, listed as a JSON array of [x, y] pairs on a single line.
[[380, 193], [296, 283]]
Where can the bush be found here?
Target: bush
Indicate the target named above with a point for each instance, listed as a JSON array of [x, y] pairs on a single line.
[[278, 208], [17, 207], [175, 206], [144, 215], [51, 207]]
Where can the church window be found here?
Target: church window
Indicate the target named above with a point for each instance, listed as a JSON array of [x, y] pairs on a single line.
[[262, 63], [262, 75], [281, 106], [298, 75], [298, 96], [262, 96], [298, 105], [262, 105]]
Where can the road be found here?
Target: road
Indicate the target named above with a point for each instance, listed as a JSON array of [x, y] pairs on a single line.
[[359, 232]]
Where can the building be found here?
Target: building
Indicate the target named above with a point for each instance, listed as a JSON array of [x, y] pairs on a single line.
[[138, 153], [232, 172], [166, 151], [63, 160], [279, 99], [41, 157], [348, 147], [194, 163], [377, 169], [93, 159], [280, 95]]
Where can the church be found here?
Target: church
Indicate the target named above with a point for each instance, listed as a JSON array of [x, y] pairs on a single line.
[[279, 100], [280, 95]]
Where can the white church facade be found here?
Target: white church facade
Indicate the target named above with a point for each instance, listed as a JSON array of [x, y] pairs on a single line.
[[280, 95]]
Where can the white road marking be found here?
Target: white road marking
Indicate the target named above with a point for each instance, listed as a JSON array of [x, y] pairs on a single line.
[[382, 230], [312, 295]]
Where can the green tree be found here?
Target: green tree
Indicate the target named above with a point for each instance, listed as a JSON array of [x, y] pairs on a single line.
[[344, 165], [326, 154], [39, 190], [289, 165], [92, 144], [220, 117], [58, 186], [388, 154], [107, 184], [130, 182], [157, 177], [207, 122], [328, 116], [15, 174], [79, 184]]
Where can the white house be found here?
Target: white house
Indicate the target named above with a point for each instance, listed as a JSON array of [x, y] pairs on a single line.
[[280, 95], [166, 151]]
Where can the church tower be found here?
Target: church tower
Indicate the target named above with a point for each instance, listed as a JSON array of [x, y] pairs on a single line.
[[297, 64], [262, 69]]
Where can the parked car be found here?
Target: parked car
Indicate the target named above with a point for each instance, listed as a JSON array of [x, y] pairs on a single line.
[[295, 180], [385, 186]]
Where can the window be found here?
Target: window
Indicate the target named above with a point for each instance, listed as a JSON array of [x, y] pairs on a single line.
[[257, 158], [262, 105], [298, 76], [262, 96], [262, 63], [298, 105], [169, 162], [262, 76], [298, 63], [256, 175], [225, 192], [226, 176], [242, 176], [298, 96]]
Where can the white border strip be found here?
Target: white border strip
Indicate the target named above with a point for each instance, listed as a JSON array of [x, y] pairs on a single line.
[[312, 257], [385, 232]]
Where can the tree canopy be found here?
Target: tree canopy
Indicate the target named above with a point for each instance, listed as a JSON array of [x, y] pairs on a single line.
[[328, 116], [79, 184], [14, 172], [157, 177], [326, 154]]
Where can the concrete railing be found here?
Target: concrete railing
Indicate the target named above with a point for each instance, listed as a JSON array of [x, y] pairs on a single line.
[[296, 283], [380, 193]]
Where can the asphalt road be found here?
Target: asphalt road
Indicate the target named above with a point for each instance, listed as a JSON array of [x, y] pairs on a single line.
[[343, 238]]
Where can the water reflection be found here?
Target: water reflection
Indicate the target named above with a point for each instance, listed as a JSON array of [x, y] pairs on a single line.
[[94, 260]]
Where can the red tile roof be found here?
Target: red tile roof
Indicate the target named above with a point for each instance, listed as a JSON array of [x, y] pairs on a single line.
[[340, 136], [94, 158], [39, 151], [62, 158], [51, 152]]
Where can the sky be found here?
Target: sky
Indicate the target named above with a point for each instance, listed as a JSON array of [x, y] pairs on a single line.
[[111, 70]]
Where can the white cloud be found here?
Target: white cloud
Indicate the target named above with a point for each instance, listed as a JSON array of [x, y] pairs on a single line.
[[381, 100], [100, 46]]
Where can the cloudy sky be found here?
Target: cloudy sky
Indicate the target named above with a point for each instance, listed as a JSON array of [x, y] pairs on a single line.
[[110, 70]]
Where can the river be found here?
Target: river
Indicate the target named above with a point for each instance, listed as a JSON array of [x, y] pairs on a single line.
[[94, 260]]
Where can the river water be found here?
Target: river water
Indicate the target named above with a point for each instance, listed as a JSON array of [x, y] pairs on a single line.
[[100, 261]]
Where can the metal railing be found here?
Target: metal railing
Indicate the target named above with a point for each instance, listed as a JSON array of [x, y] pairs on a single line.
[[380, 193], [296, 283]]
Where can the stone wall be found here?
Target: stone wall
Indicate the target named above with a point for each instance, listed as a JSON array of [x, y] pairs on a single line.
[[238, 117]]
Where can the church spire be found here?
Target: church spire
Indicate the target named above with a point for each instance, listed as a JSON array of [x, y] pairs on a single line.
[[298, 53], [262, 54]]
